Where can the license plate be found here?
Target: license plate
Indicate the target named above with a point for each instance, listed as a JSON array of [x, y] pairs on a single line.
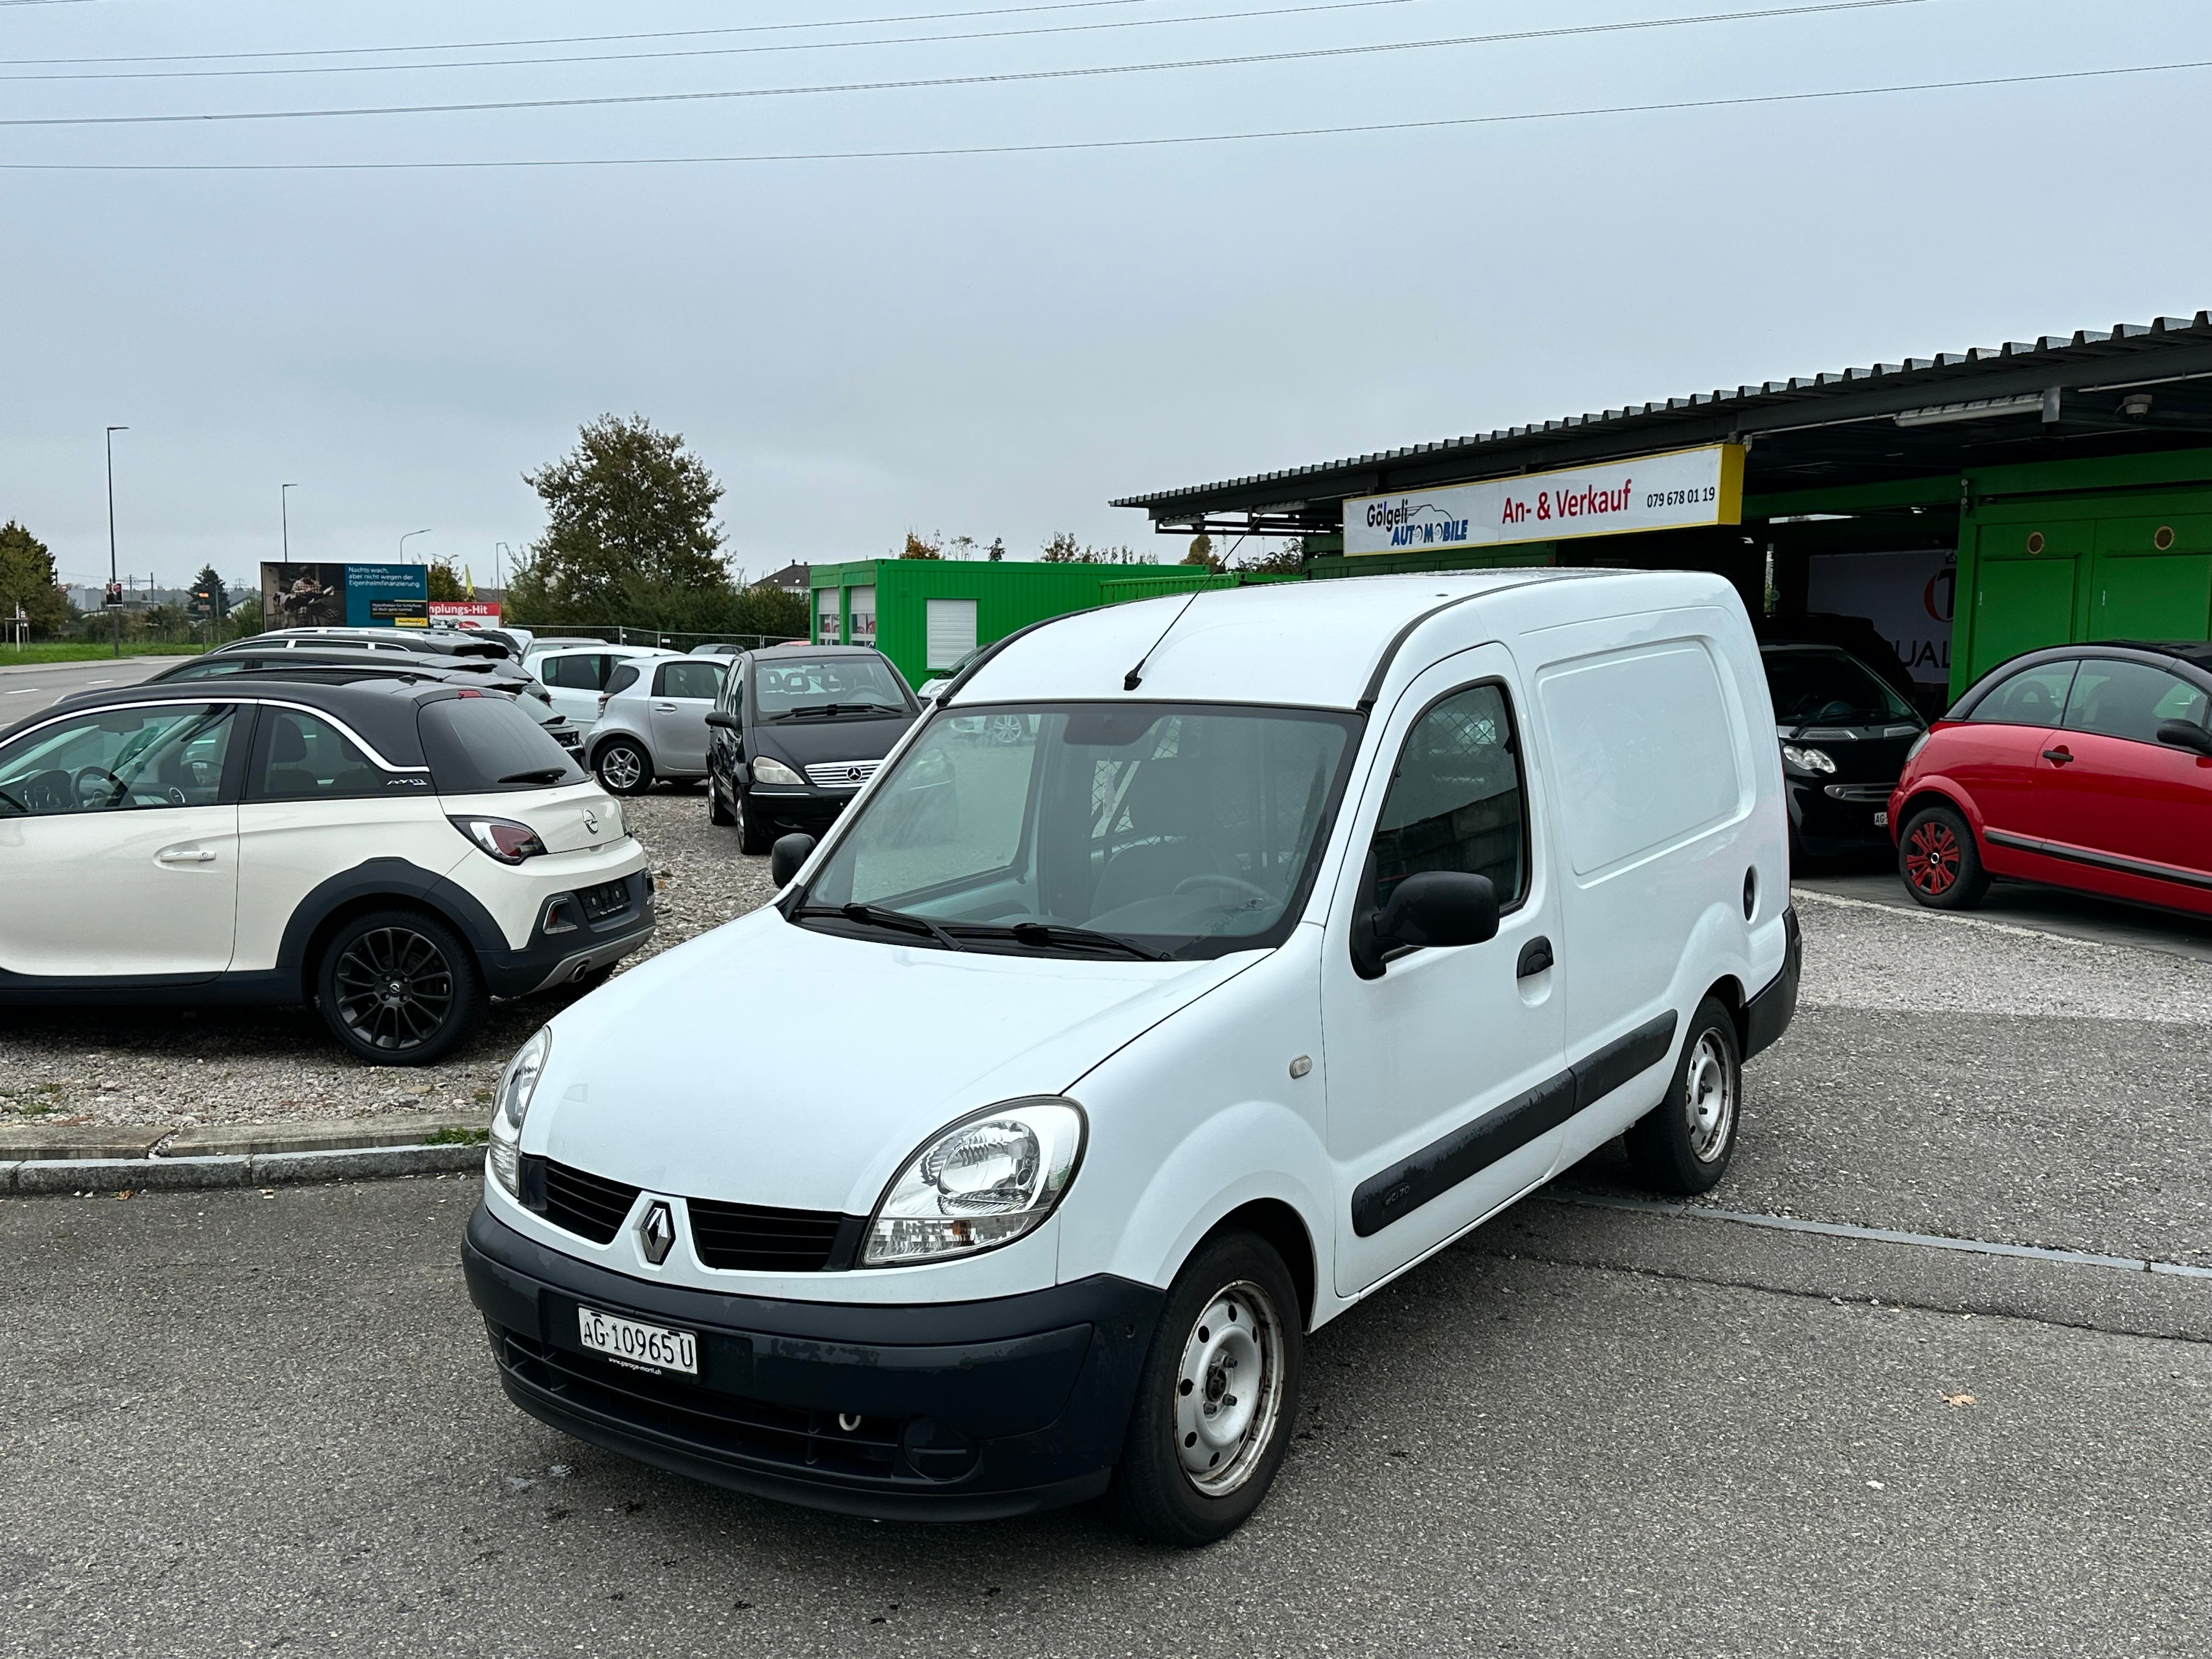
[[638, 1344], [1881, 819]]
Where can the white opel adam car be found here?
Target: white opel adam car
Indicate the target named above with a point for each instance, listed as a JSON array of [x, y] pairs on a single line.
[[395, 851], [1294, 931]]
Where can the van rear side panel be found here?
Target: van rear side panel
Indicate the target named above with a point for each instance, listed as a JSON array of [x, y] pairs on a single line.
[[1654, 741]]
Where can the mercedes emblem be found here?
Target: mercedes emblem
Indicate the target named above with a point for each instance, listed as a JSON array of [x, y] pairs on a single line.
[[656, 1232], [852, 773]]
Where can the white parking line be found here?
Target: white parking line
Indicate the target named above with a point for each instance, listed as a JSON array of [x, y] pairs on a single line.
[[1790, 1223]]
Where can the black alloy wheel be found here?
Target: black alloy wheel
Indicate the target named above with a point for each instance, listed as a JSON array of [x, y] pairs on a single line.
[[399, 989]]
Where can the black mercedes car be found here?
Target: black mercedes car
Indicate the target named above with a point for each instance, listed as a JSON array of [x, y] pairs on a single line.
[[1845, 733], [797, 730]]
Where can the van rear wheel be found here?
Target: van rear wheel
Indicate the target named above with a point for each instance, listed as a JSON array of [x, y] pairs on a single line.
[[1683, 1145], [1217, 1398]]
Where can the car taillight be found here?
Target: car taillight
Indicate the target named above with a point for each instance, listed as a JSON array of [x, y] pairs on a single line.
[[504, 839], [603, 696]]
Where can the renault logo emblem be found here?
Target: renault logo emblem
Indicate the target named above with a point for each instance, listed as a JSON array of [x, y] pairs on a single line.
[[656, 1232]]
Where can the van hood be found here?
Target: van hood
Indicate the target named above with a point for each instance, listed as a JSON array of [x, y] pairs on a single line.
[[767, 1063], [848, 737]]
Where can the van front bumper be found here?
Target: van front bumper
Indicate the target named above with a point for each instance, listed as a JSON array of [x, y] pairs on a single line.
[[945, 1412]]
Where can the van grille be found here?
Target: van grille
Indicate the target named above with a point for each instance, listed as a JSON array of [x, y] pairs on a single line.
[[841, 775], [762, 1240], [589, 1206]]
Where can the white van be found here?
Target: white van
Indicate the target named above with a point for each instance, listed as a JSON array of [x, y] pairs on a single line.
[[1194, 968]]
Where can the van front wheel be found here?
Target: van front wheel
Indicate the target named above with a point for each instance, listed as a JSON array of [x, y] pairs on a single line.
[[1218, 1396], [1683, 1145]]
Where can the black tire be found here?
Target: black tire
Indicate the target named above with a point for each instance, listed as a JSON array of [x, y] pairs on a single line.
[[1940, 861], [398, 987], [717, 813], [624, 766], [753, 835], [1683, 1145], [1184, 1383]]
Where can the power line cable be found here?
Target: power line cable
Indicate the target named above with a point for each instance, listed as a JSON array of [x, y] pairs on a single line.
[[1000, 78], [704, 52], [577, 39], [1745, 101]]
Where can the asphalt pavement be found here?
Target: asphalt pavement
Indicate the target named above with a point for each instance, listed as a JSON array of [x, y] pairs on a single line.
[[237, 1422], [27, 688]]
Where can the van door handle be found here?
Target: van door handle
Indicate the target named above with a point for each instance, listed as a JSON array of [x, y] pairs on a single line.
[[1535, 958], [183, 855], [2057, 756]]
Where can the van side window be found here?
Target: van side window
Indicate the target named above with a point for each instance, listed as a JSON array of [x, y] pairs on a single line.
[[1456, 798]]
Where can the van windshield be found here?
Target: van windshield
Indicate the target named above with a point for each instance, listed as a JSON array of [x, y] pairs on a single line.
[[826, 688], [1138, 829]]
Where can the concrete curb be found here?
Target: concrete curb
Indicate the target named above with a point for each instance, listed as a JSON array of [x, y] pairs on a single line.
[[117, 1175]]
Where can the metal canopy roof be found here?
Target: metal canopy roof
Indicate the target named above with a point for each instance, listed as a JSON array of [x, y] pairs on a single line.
[[2136, 386]]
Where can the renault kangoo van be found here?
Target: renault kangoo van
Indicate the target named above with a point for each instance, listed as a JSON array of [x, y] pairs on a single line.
[[1193, 969]]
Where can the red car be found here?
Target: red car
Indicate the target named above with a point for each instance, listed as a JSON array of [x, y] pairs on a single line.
[[2087, 766]]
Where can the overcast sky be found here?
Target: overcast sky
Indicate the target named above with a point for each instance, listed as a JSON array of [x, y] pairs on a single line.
[[995, 344]]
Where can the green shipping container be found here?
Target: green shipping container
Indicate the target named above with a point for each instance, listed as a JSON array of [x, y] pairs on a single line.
[[926, 614]]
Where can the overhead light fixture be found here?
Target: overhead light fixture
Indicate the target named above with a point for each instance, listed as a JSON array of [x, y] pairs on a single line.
[[2032, 403]]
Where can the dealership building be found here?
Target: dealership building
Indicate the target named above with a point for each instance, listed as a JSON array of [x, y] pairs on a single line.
[[1972, 505]]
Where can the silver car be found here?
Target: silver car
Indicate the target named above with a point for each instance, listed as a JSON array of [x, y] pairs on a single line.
[[653, 722]]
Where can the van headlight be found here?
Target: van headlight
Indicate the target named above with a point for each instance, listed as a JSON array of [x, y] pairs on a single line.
[[768, 769], [511, 1105], [986, 1181]]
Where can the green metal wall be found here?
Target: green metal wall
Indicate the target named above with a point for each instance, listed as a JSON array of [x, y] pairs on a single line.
[[1009, 594], [2117, 549]]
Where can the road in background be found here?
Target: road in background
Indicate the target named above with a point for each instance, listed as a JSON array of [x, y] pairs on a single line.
[[2042, 909], [28, 688]]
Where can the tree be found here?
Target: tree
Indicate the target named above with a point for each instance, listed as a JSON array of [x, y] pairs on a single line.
[[1201, 554], [629, 509], [1285, 560], [208, 600], [28, 580], [245, 617], [446, 583], [1062, 549], [918, 549]]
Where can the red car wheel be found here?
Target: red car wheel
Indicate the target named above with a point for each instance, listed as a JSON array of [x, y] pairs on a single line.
[[1932, 857]]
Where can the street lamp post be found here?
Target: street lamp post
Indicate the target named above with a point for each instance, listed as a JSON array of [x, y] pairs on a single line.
[[404, 540], [114, 610], [284, 506]]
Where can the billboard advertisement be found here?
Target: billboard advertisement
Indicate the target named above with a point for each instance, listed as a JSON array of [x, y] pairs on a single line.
[[345, 595], [1907, 596], [456, 613]]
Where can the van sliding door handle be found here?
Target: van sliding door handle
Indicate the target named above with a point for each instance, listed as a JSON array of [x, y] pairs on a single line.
[[1535, 958]]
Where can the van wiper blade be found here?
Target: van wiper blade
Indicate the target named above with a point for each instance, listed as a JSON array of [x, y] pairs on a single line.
[[1046, 935], [833, 709], [871, 915]]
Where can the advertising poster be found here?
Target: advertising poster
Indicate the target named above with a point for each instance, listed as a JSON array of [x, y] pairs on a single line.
[[345, 596], [303, 595], [463, 613], [1907, 596], [1686, 488]]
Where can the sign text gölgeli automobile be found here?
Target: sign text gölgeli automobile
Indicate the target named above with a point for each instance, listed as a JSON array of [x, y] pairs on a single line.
[[1652, 492]]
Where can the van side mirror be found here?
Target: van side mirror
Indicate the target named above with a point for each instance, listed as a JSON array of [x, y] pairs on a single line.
[[2184, 734], [786, 856], [1432, 908], [720, 721]]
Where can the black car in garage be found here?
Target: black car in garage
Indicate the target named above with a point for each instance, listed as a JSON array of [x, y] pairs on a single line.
[[1844, 732], [797, 730]]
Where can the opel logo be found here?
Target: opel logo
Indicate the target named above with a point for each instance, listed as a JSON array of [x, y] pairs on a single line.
[[656, 1232], [591, 822]]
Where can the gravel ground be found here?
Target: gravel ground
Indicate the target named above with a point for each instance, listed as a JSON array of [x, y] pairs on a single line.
[[183, 1067]]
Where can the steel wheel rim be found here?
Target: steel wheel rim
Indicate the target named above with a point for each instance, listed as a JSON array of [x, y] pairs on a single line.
[[1709, 1097], [1228, 1388], [619, 768], [1932, 858], [394, 988]]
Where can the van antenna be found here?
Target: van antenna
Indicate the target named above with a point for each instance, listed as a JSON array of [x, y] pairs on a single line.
[[1134, 677]]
